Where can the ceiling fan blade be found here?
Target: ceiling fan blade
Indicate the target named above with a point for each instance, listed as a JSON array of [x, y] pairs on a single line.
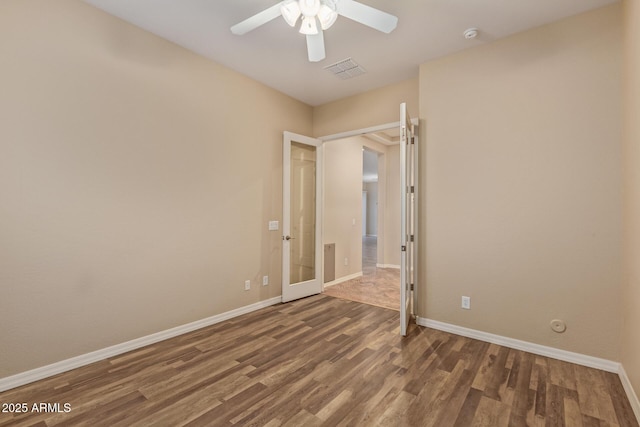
[[315, 46], [367, 15], [256, 20]]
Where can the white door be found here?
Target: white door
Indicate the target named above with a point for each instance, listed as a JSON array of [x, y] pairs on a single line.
[[301, 217], [408, 216]]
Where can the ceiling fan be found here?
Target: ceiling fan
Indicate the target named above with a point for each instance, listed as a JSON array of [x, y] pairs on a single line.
[[314, 12]]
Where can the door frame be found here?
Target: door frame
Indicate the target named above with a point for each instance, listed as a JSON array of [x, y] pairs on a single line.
[[358, 132]]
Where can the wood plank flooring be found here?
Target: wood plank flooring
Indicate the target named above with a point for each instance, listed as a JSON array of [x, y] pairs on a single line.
[[325, 361]]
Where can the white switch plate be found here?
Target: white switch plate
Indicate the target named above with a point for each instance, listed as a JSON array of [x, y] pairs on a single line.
[[466, 303], [273, 225], [247, 285], [265, 280]]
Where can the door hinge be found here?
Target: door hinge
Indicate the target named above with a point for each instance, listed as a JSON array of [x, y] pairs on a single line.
[[413, 189], [411, 287], [403, 248], [411, 238], [413, 139]]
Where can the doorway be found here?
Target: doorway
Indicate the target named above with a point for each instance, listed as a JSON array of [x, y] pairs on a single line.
[[362, 178], [340, 221]]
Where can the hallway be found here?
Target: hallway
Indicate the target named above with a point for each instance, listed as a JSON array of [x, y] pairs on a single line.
[[377, 286]]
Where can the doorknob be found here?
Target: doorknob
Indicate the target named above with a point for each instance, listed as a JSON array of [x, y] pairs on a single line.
[[287, 237]]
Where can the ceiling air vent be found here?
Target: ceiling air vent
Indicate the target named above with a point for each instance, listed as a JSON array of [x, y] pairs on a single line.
[[346, 69]]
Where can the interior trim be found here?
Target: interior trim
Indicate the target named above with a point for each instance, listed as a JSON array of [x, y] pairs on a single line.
[[362, 131], [631, 394], [343, 279], [397, 267], [30, 376], [542, 350]]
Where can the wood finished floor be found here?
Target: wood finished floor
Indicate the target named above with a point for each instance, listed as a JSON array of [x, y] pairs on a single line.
[[325, 361], [377, 286]]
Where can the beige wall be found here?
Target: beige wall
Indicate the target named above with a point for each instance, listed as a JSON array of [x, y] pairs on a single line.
[[373, 108], [631, 332], [136, 182], [522, 208], [343, 202]]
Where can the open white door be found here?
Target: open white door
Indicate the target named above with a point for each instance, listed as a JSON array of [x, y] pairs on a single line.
[[408, 216], [301, 217]]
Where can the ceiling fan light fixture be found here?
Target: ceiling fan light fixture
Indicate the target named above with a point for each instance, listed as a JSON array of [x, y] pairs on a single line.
[[309, 8], [290, 12], [309, 26], [327, 16], [318, 15]]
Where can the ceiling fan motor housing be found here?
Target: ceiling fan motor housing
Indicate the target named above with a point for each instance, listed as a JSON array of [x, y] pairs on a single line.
[[309, 8]]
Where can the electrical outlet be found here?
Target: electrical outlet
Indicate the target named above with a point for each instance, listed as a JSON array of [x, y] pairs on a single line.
[[265, 280], [247, 285], [466, 303]]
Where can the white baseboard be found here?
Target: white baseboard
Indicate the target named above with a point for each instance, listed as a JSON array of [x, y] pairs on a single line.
[[95, 356], [631, 394], [343, 279], [541, 350], [388, 266]]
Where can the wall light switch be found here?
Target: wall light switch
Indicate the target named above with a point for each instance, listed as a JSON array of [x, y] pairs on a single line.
[[466, 303], [265, 280], [273, 225]]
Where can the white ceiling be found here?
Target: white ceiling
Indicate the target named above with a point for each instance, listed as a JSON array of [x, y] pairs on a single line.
[[275, 54]]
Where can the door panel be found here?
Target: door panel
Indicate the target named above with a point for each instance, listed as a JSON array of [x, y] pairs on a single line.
[[303, 218], [301, 256], [408, 216]]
